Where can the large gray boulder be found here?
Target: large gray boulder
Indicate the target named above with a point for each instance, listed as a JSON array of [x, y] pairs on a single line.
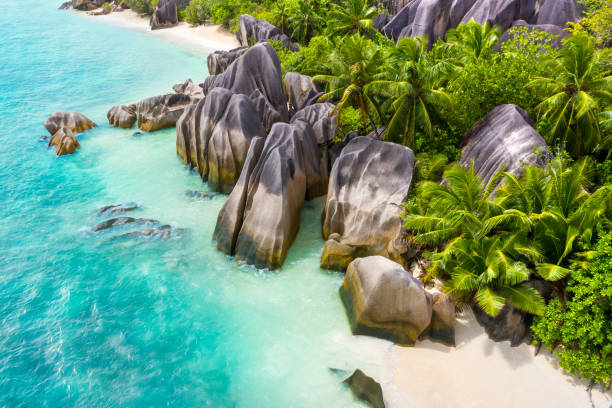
[[504, 137], [161, 111], [75, 121], [64, 141], [165, 15], [368, 183], [122, 116], [399, 21], [299, 89], [214, 136], [383, 300], [366, 389], [559, 12], [319, 116], [189, 88], [218, 61], [457, 10], [253, 31], [261, 216], [427, 17], [258, 69], [501, 12], [442, 326]]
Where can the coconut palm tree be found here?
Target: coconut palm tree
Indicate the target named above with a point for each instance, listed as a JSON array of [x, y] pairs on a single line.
[[472, 41], [410, 89], [280, 14], [351, 17], [575, 92], [476, 264], [304, 21], [353, 65]]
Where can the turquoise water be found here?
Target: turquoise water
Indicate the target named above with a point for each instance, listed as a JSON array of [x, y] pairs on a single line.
[[86, 320]]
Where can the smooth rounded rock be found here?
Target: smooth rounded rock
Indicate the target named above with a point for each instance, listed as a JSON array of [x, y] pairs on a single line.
[[75, 121], [162, 111], [122, 116]]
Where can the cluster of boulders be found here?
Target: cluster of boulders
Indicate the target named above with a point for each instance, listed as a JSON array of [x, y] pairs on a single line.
[[434, 17], [62, 126], [89, 5]]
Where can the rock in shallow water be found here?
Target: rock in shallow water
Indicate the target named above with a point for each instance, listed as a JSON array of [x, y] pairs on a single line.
[[115, 222], [64, 141], [118, 208], [366, 389], [122, 116], [504, 137], [162, 232], [197, 195], [383, 300], [162, 111], [368, 184], [75, 121]]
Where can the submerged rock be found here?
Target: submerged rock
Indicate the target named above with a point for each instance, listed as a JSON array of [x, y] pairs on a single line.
[[115, 222], [162, 232], [214, 136], [197, 195], [64, 141], [118, 208], [368, 183], [122, 116], [165, 15], [162, 111], [74, 121], [366, 389], [504, 137], [261, 216], [218, 61], [383, 300]]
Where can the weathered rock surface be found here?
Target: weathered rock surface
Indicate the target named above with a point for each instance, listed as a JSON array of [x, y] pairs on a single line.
[[559, 12], [261, 216], [119, 221], [504, 137], [189, 88], [368, 183], [162, 111], [318, 115], [512, 324], [218, 61], [366, 389], [74, 121], [122, 116], [501, 12], [258, 69], [299, 89], [165, 15], [118, 208], [158, 233], [214, 136], [427, 17], [64, 141], [383, 300], [253, 30], [442, 326], [197, 195], [380, 21]]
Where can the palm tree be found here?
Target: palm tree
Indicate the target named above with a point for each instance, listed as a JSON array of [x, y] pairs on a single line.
[[280, 14], [352, 67], [410, 89], [472, 41], [574, 93], [458, 217], [351, 17], [304, 21]]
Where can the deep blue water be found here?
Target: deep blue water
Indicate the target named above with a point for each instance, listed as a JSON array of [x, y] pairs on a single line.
[[87, 320]]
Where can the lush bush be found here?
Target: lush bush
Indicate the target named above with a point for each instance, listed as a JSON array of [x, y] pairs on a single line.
[[309, 60], [227, 12], [198, 11], [597, 21], [579, 330], [143, 6], [349, 120]]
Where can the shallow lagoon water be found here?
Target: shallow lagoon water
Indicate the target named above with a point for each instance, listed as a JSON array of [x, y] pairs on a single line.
[[89, 320]]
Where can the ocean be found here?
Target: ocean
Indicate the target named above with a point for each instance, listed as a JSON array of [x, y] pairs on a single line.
[[92, 319]]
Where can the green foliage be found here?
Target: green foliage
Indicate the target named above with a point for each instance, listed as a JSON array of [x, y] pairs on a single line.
[[597, 21], [198, 11], [351, 17], [484, 249], [471, 41], [310, 60], [227, 12], [580, 329], [575, 89], [143, 6], [349, 119], [305, 21], [428, 167]]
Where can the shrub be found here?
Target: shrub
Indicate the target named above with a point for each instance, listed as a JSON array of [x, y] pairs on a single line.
[[580, 329], [143, 6], [349, 120], [198, 11]]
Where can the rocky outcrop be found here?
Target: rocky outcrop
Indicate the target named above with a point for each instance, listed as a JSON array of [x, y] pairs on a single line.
[[253, 30], [395, 26], [64, 141], [442, 326], [512, 324], [299, 89], [504, 137], [218, 61], [214, 136], [74, 121], [261, 216], [559, 12], [427, 17], [368, 183], [189, 88], [165, 15], [257, 73], [366, 389], [122, 116], [162, 111], [319, 116], [86, 5], [383, 300], [501, 12], [380, 21]]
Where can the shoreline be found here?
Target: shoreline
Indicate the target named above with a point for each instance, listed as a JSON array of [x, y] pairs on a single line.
[[480, 372], [202, 38]]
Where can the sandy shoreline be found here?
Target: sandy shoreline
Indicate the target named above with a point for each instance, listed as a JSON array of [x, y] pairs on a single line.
[[480, 373], [203, 38]]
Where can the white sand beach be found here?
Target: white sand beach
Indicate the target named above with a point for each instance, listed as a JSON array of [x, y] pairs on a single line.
[[203, 38], [480, 373]]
